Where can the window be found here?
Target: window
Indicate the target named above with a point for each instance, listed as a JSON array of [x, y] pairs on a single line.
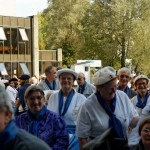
[[3, 69], [24, 68], [23, 35], [2, 34], [86, 68]]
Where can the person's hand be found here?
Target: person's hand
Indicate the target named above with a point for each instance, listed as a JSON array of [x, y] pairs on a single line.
[[17, 103]]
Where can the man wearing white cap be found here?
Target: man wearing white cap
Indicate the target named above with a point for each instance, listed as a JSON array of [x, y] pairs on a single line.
[[84, 87], [142, 98], [107, 108]]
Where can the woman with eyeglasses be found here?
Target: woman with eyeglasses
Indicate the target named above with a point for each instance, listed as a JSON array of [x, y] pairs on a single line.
[[142, 98], [41, 122], [66, 103], [144, 132]]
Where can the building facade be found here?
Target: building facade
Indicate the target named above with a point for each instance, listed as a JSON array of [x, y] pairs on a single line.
[[19, 48]]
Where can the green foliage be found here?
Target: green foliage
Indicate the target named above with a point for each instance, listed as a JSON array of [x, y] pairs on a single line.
[[62, 26], [112, 31]]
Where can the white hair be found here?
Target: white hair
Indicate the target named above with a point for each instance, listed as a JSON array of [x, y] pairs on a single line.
[[81, 74], [124, 69], [5, 102]]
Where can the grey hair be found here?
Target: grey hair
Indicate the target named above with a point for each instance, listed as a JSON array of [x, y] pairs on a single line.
[[32, 89], [81, 74], [5, 102], [124, 69], [48, 69]]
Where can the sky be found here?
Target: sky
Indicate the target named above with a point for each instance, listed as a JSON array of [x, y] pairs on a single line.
[[26, 8], [22, 8]]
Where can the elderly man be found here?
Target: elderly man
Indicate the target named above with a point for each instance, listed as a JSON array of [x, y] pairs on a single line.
[[50, 82], [124, 76], [11, 137], [107, 108], [83, 87]]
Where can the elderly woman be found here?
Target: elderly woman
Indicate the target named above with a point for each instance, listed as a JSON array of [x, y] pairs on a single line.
[[142, 98], [144, 132], [107, 108], [41, 122], [66, 102], [10, 136]]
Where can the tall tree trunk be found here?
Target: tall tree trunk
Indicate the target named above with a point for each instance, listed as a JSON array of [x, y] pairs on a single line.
[[123, 52]]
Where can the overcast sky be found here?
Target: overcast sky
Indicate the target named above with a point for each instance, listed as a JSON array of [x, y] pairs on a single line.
[[21, 8], [26, 8]]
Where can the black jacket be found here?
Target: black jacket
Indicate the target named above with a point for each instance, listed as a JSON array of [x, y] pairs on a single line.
[[139, 146]]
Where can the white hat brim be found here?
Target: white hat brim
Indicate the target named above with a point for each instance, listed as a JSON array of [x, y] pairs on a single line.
[[66, 70]]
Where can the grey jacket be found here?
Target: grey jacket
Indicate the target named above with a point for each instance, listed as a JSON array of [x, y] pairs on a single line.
[[132, 93], [26, 141], [89, 89], [44, 86]]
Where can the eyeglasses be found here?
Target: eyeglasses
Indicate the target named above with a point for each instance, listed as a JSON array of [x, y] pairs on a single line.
[[147, 131], [142, 83], [32, 98], [124, 76], [65, 78]]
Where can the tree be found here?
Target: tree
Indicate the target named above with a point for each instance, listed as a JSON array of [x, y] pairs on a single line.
[[62, 25], [109, 30]]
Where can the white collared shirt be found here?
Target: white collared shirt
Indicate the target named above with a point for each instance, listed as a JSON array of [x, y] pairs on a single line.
[[93, 120]]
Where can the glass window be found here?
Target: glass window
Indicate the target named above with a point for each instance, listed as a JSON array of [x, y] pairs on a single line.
[[28, 64], [24, 68], [14, 41], [15, 68], [7, 48], [2, 34], [1, 49], [23, 35], [3, 69], [21, 48], [28, 51]]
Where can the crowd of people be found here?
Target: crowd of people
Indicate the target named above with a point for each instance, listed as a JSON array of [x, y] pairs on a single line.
[[51, 113]]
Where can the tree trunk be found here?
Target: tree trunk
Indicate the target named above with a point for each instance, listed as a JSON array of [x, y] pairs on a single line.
[[123, 52]]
